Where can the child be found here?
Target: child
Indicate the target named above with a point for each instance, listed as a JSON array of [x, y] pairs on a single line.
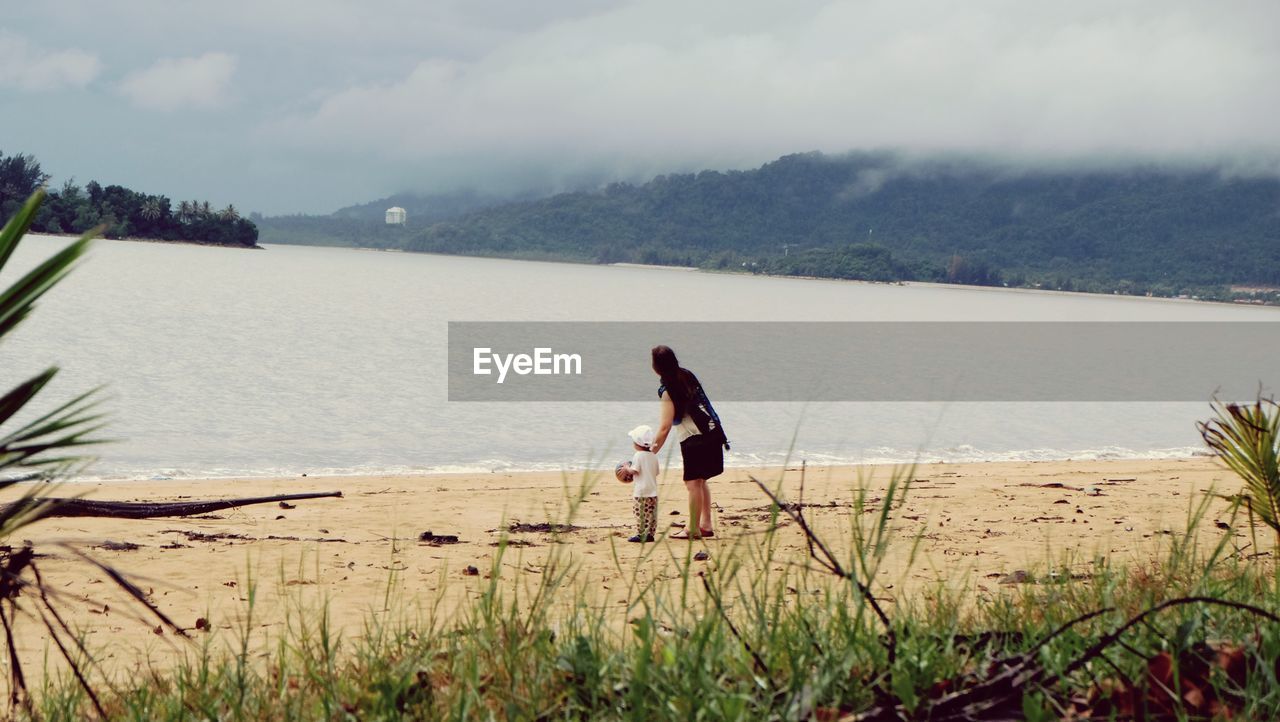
[[642, 471]]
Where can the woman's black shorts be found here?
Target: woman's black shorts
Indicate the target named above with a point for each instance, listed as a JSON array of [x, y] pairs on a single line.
[[703, 457]]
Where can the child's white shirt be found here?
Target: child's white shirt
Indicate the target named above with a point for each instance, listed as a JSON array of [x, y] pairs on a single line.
[[645, 481]]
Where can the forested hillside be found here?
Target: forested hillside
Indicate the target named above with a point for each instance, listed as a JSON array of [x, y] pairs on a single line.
[[877, 217]]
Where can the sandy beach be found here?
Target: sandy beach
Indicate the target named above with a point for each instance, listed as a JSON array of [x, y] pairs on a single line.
[[977, 524]]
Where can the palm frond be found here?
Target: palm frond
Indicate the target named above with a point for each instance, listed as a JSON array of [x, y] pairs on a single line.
[[29, 508], [49, 443], [18, 226], [17, 301], [41, 443], [18, 396], [70, 425], [1246, 438]]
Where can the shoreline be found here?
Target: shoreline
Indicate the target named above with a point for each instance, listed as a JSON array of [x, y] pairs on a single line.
[[732, 272], [973, 524], [260, 246], [394, 472], [133, 239], [970, 287]]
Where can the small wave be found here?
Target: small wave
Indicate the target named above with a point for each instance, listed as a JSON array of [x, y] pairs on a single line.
[[733, 459]]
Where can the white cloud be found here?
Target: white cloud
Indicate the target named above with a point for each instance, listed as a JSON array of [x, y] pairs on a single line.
[[175, 83], [666, 82], [28, 67], [350, 99]]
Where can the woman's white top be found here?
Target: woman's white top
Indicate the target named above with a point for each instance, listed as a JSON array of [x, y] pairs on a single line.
[[686, 428]]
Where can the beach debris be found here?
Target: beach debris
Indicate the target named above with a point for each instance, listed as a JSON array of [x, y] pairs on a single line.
[[1020, 576], [197, 536], [701, 556], [202, 624], [791, 506], [470, 571], [1093, 491], [325, 540], [287, 505], [279, 517], [61, 507], [542, 528], [436, 540], [202, 537], [1051, 485], [115, 546], [513, 543], [675, 512]]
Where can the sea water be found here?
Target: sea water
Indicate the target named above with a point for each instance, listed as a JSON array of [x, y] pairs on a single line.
[[290, 360]]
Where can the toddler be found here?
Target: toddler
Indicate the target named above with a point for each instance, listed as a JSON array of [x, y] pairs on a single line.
[[642, 473]]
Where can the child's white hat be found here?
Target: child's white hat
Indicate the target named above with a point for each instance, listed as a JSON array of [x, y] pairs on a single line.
[[642, 435]]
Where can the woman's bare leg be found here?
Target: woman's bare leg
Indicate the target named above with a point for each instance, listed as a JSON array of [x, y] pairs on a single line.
[[697, 489], [704, 521]]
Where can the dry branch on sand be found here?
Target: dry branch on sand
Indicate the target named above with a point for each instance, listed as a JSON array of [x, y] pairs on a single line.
[[53, 506]]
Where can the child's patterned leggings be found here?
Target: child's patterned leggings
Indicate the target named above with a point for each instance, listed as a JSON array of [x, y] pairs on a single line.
[[646, 509]]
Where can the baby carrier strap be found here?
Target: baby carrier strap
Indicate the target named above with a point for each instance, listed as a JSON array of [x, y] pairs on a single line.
[[703, 414]]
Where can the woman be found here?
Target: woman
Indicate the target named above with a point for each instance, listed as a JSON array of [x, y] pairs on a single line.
[[685, 408]]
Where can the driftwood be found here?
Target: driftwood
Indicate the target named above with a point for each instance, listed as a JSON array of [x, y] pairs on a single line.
[[147, 509]]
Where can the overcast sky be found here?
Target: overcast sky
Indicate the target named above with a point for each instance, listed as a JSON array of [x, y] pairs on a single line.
[[305, 106]]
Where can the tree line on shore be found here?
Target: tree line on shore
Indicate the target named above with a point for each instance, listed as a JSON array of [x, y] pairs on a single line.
[[120, 211]]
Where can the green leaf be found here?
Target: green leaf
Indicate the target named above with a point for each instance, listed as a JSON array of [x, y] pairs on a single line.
[[1246, 438], [45, 441]]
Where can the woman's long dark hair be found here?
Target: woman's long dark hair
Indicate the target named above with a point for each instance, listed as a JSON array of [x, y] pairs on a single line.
[[680, 382]]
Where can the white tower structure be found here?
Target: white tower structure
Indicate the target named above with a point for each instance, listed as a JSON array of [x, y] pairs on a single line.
[[396, 216]]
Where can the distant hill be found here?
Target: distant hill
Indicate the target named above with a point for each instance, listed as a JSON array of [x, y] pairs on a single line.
[[878, 217]]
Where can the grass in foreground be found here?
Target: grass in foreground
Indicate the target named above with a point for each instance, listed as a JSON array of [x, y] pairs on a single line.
[[1191, 635]]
